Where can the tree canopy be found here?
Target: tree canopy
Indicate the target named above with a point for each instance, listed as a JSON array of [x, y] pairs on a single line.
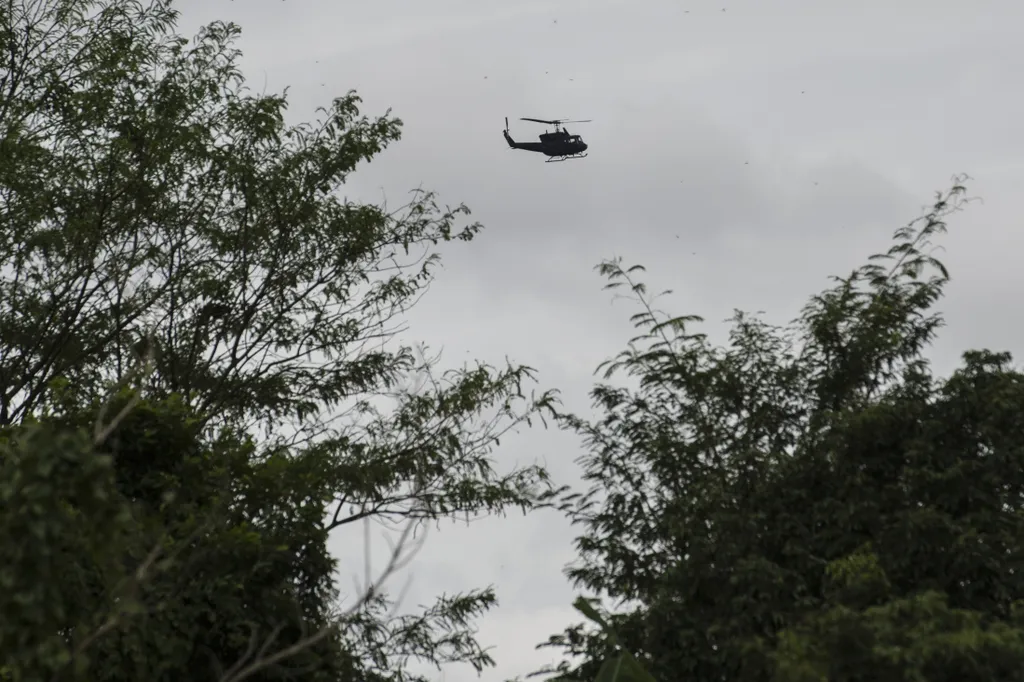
[[808, 502], [200, 375]]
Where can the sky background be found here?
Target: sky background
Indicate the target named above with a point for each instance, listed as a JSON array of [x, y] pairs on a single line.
[[743, 151]]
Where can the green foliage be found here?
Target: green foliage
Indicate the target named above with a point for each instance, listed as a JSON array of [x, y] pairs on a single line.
[[125, 588], [808, 502], [168, 238], [146, 194], [857, 580], [58, 505], [914, 638], [622, 666]]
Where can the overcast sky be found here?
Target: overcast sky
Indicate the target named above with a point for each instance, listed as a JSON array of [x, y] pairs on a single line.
[[742, 150]]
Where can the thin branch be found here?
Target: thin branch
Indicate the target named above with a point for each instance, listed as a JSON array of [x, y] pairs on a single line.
[[140, 576], [399, 559], [100, 431]]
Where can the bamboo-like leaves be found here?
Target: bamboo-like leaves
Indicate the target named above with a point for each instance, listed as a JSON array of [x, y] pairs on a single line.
[[623, 666]]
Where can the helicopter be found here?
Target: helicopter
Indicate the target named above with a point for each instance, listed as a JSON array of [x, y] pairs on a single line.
[[559, 145]]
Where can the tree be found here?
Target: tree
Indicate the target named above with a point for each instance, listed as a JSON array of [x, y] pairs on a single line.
[[144, 553], [152, 208], [809, 502]]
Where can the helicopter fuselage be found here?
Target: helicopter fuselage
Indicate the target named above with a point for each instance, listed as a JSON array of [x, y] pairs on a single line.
[[556, 144], [552, 144]]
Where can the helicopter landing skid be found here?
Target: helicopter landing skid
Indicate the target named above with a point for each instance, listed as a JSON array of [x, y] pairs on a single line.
[[566, 158]]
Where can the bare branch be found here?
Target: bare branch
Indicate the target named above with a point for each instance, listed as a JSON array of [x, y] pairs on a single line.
[[142, 371], [400, 557]]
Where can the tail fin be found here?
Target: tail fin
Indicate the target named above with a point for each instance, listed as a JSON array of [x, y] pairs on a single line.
[[508, 138]]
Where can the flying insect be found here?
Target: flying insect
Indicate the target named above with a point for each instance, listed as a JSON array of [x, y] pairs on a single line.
[[559, 145]]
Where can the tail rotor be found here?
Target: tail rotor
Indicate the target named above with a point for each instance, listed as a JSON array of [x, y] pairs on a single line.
[[508, 138]]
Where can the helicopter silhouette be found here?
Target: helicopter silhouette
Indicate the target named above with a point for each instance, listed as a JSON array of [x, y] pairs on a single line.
[[559, 145]]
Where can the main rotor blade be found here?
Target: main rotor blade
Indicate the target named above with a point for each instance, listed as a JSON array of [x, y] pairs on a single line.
[[554, 122]]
